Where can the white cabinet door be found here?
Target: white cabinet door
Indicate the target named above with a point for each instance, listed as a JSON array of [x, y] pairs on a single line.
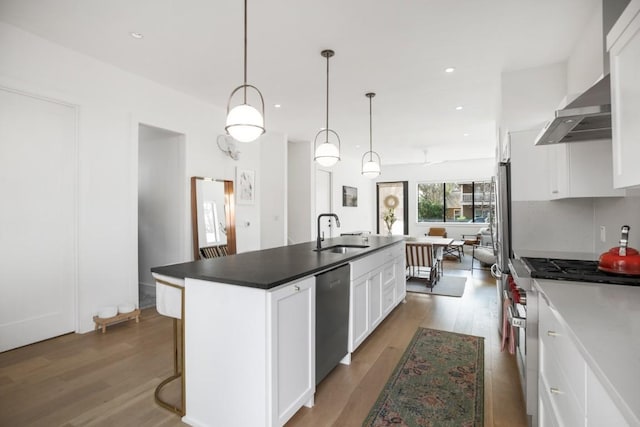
[[529, 167], [401, 279], [375, 298], [623, 42], [581, 169], [601, 411], [293, 348], [359, 315]]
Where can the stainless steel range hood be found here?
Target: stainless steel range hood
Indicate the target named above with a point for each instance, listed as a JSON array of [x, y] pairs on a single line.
[[587, 118]]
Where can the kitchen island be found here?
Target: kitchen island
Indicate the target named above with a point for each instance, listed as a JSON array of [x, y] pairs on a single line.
[[250, 318]]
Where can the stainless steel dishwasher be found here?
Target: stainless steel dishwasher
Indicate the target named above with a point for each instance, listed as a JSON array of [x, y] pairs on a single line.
[[332, 319]]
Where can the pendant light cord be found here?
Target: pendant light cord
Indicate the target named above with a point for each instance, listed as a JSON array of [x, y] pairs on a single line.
[[245, 51], [370, 132], [327, 123]]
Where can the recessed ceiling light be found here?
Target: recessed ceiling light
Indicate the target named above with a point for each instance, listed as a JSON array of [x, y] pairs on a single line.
[[357, 145], [465, 134], [277, 105], [459, 107], [136, 35], [449, 70]]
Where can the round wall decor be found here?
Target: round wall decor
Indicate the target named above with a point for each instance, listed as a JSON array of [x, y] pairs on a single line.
[[391, 201]]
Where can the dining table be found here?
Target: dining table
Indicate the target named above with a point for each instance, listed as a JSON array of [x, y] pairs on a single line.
[[439, 245]]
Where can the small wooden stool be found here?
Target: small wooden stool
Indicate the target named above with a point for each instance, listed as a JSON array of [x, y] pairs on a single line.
[[104, 322]]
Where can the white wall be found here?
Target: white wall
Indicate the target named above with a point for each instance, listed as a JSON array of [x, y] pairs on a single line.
[[300, 191], [272, 186], [111, 103], [453, 171], [530, 97], [362, 217], [160, 219]]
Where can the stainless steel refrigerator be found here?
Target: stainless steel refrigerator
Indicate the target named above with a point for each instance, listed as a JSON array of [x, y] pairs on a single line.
[[501, 231]]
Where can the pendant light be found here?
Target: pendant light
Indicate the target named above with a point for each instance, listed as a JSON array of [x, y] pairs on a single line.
[[327, 154], [244, 122], [371, 167]]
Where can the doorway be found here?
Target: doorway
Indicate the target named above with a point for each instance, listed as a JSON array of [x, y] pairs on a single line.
[[392, 198], [161, 205]]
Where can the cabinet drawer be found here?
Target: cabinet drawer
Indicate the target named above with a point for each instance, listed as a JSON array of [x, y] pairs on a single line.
[[375, 260], [388, 275], [601, 411], [559, 346], [388, 297], [554, 385]]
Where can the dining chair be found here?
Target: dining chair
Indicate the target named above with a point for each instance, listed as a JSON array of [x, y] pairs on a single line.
[[437, 231], [421, 263], [214, 251]]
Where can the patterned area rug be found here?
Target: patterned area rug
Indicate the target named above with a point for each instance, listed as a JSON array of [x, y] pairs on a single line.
[[439, 381]]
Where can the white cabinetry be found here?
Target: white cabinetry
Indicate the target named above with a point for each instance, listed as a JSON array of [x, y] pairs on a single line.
[[581, 169], [292, 320], [248, 348], [529, 167], [377, 285], [623, 43], [569, 393]]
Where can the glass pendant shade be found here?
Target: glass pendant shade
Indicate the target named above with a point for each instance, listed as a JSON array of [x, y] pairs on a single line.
[[371, 169], [244, 123], [327, 154]]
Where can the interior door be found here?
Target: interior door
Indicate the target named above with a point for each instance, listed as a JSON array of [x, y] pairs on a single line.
[[323, 201], [37, 219]]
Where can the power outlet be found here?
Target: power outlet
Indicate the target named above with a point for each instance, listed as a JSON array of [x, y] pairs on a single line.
[[603, 234]]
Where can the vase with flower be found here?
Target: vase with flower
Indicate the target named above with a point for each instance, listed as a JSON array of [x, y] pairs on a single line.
[[389, 218]]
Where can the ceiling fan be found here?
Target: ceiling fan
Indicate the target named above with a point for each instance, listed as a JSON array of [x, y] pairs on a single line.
[[227, 145], [428, 162]]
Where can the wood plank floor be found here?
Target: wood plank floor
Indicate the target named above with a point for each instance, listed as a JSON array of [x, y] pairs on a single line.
[[109, 380]]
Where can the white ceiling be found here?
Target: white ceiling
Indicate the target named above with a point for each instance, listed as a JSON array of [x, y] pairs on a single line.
[[396, 48]]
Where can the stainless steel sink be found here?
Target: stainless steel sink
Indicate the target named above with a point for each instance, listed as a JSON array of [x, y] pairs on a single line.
[[342, 249]]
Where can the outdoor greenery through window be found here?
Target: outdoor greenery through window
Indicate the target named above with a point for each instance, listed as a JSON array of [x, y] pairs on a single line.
[[455, 202]]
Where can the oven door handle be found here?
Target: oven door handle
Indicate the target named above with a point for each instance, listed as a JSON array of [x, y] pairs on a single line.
[[518, 322]]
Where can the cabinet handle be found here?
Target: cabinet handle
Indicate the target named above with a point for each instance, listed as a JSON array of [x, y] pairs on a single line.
[[554, 390], [553, 334], [555, 192], [296, 288]]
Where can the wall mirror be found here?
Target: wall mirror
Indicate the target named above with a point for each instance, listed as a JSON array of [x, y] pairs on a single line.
[[212, 214]]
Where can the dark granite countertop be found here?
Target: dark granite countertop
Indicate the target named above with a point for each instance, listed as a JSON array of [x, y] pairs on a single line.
[[268, 268]]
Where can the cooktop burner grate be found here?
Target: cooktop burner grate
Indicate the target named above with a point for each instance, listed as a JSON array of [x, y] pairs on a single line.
[[576, 270]]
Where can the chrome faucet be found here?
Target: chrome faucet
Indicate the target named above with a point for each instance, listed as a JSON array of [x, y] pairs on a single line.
[[320, 239]]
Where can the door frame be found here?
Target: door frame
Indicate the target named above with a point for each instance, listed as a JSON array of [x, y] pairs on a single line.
[[75, 164], [405, 205]]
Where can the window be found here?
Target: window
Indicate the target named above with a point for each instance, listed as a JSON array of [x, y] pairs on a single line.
[[455, 202]]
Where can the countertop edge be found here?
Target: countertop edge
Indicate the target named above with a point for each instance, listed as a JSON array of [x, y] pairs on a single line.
[[180, 270]]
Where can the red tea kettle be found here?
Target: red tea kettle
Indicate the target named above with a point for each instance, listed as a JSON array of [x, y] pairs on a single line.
[[621, 259]]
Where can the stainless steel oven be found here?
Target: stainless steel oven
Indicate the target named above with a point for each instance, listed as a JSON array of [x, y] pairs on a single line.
[[522, 314]]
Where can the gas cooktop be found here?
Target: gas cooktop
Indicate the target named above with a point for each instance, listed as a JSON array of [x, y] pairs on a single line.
[[576, 270]]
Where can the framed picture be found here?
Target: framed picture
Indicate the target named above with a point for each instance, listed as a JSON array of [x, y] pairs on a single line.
[[246, 186], [349, 196]]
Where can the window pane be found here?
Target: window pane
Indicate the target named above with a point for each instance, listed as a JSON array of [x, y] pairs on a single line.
[[430, 202], [457, 210], [483, 205]]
